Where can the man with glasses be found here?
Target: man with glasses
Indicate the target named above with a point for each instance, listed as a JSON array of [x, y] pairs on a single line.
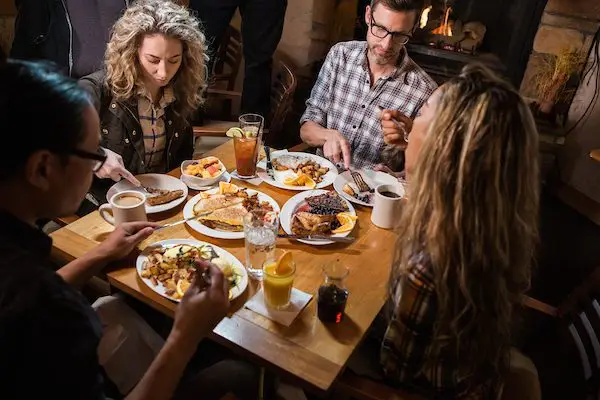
[[361, 108]]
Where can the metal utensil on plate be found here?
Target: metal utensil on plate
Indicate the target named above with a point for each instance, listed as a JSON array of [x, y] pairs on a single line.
[[339, 239], [269, 163], [184, 220], [360, 182]]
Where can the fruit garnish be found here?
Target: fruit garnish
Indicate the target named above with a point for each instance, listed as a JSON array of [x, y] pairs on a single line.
[[228, 188], [300, 180], [347, 222], [182, 286], [235, 132], [285, 264], [310, 182]]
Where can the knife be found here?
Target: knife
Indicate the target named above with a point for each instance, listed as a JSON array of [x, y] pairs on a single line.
[[339, 239], [203, 214], [269, 164]]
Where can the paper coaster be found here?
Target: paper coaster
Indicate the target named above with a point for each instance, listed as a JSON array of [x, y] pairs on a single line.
[[253, 181], [285, 317]]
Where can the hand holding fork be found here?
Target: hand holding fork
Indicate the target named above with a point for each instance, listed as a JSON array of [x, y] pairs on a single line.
[[396, 127]]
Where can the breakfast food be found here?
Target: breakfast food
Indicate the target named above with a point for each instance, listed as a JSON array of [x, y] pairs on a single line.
[[323, 214], [228, 207], [174, 268], [302, 166], [354, 192], [300, 180], [164, 196], [209, 167]]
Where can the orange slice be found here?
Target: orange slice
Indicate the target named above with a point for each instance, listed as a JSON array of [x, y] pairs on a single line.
[[300, 180], [228, 188], [285, 264], [310, 182], [182, 286], [347, 222]]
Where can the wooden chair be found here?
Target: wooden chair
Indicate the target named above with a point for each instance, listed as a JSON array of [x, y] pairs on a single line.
[[282, 92], [227, 60]]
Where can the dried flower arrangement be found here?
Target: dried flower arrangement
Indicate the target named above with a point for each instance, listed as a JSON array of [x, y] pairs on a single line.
[[552, 76]]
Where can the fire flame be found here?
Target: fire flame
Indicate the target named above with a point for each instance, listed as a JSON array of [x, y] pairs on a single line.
[[425, 17], [445, 29]]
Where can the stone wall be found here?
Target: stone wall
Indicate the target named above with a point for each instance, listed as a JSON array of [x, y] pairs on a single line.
[[566, 24]]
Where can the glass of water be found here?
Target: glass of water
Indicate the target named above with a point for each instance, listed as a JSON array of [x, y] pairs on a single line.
[[260, 233]]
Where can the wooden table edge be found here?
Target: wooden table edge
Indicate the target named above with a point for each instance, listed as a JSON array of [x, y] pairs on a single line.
[[223, 331]]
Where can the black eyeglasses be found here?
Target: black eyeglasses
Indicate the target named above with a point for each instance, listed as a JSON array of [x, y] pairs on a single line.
[[381, 33], [99, 157]]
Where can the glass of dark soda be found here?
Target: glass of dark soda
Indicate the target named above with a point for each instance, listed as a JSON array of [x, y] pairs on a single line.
[[333, 294]]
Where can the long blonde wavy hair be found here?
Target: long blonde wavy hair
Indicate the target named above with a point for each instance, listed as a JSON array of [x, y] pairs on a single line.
[[472, 211], [146, 17]]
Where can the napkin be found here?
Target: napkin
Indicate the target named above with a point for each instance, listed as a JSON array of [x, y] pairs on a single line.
[[298, 301], [253, 181]]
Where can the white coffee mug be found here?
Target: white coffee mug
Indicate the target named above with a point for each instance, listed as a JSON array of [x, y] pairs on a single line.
[[127, 206], [387, 206]]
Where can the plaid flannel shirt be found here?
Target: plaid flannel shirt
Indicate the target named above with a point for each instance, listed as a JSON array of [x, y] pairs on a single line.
[[409, 336], [343, 99], [153, 127]]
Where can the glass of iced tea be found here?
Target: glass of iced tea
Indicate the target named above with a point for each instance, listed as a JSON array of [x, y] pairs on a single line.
[[247, 145], [278, 279]]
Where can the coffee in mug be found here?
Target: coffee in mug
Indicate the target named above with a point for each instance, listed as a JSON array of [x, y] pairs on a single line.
[[127, 206], [387, 205], [391, 195], [127, 200]]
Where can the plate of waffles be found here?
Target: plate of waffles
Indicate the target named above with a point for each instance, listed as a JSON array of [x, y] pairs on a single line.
[[221, 211], [318, 212]]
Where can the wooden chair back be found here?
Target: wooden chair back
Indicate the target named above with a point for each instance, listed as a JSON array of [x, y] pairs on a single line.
[[228, 60], [283, 87]]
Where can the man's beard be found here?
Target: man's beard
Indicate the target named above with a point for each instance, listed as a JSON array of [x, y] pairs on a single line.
[[383, 60]]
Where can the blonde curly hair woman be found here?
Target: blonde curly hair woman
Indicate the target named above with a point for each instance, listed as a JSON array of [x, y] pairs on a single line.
[[466, 239], [155, 71]]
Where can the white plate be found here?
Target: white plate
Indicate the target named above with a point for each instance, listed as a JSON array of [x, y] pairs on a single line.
[[237, 265], [289, 208], [371, 178], [225, 177], [188, 212], [328, 178], [158, 181]]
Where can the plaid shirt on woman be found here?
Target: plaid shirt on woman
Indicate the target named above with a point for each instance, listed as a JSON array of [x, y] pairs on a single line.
[[152, 122], [343, 98], [409, 336]]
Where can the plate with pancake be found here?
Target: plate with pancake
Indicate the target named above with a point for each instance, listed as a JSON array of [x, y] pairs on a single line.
[[319, 212], [299, 171], [227, 205], [166, 191], [167, 267]]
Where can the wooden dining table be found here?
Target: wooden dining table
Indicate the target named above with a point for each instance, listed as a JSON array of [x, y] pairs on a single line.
[[309, 351]]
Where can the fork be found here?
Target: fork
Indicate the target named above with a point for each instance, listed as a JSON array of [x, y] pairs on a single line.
[[360, 182]]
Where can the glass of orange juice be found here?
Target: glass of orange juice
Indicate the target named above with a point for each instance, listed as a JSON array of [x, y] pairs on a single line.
[[278, 279]]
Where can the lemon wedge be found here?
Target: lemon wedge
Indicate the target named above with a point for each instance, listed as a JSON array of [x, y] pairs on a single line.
[[182, 286], [347, 222], [235, 132], [285, 264]]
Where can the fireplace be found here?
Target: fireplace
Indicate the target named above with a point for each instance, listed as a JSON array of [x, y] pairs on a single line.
[[452, 33]]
